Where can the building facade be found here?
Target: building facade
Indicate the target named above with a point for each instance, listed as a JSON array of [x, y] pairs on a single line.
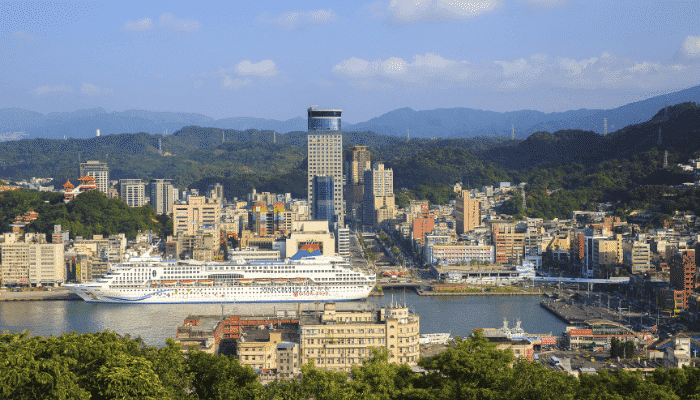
[[508, 244], [467, 212], [162, 195], [132, 192], [196, 215], [325, 157], [379, 203], [32, 263], [355, 185], [684, 273], [338, 340], [99, 171]]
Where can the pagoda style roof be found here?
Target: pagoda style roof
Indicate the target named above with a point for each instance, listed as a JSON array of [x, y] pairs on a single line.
[[87, 178], [68, 185]]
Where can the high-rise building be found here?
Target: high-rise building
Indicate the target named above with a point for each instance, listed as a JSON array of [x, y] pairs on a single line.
[[379, 204], [325, 157], [467, 212], [357, 165], [132, 192], [99, 171], [162, 195], [323, 201]]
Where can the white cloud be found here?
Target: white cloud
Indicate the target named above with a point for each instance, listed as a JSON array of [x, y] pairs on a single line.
[[299, 20], [197, 83], [168, 20], [542, 4], [691, 47], [431, 10], [539, 70], [89, 89], [265, 68], [138, 26], [108, 91], [45, 90], [235, 83]]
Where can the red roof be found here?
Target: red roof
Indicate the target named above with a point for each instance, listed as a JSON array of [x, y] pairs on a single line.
[[579, 332], [87, 178], [68, 185]]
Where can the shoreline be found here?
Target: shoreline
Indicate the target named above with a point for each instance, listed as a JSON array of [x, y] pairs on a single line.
[[56, 294]]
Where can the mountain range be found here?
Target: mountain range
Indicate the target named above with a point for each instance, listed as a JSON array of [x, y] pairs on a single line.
[[441, 123]]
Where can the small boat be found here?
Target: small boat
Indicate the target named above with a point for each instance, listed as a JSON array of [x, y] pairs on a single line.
[[263, 281], [168, 282], [206, 281], [186, 282], [154, 283], [279, 280], [245, 280], [298, 279]]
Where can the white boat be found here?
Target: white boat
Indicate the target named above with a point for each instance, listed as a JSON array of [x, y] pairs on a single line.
[[434, 338], [308, 276]]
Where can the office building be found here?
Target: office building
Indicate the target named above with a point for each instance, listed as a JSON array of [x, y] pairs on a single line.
[[162, 195], [99, 171], [379, 203], [132, 192], [325, 157], [342, 241], [355, 185], [196, 215], [467, 212], [637, 256]]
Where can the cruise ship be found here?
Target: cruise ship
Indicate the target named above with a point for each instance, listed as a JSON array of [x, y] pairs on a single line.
[[307, 276]]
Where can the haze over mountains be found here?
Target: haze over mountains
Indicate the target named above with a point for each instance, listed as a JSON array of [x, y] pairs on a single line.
[[443, 123]]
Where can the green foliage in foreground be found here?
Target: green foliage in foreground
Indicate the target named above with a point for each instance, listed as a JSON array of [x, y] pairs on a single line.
[[109, 366]]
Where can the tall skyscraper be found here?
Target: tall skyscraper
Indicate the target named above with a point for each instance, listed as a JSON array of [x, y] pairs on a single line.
[[467, 212], [355, 185], [99, 171], [162, 195], [325, 157], [379, 203], [323, 187], [132, 192]]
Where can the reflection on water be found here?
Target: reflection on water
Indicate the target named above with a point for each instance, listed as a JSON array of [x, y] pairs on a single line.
[[156, 322]]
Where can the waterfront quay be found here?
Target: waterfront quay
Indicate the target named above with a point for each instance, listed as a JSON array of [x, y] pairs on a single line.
[[55, 294], [574, 313]]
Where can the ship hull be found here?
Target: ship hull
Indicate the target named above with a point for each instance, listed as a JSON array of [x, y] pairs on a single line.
[[264, 294]]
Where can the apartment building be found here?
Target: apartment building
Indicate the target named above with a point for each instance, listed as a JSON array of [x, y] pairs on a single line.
[[32, 263], [195, 215]]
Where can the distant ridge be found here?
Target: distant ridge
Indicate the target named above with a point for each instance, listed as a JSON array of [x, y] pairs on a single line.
[[441, 123]]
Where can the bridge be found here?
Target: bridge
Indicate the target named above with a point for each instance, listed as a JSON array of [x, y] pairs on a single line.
[[553, 279]]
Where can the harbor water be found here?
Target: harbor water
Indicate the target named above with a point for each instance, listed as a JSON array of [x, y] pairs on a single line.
[[154, 323]]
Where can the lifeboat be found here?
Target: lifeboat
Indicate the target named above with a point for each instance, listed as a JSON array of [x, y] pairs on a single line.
[[298, 279], [279, 280], [206, 281], [168, 282], [263, 281], [154, 283], [186, 282], [245, 280]]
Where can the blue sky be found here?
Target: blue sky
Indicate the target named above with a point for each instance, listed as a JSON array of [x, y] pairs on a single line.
[[273, 59]]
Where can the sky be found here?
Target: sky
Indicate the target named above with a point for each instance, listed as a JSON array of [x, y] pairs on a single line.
[[273, 59]]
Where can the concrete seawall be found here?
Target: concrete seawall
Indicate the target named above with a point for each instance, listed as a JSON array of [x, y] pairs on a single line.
[[39, 295]]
